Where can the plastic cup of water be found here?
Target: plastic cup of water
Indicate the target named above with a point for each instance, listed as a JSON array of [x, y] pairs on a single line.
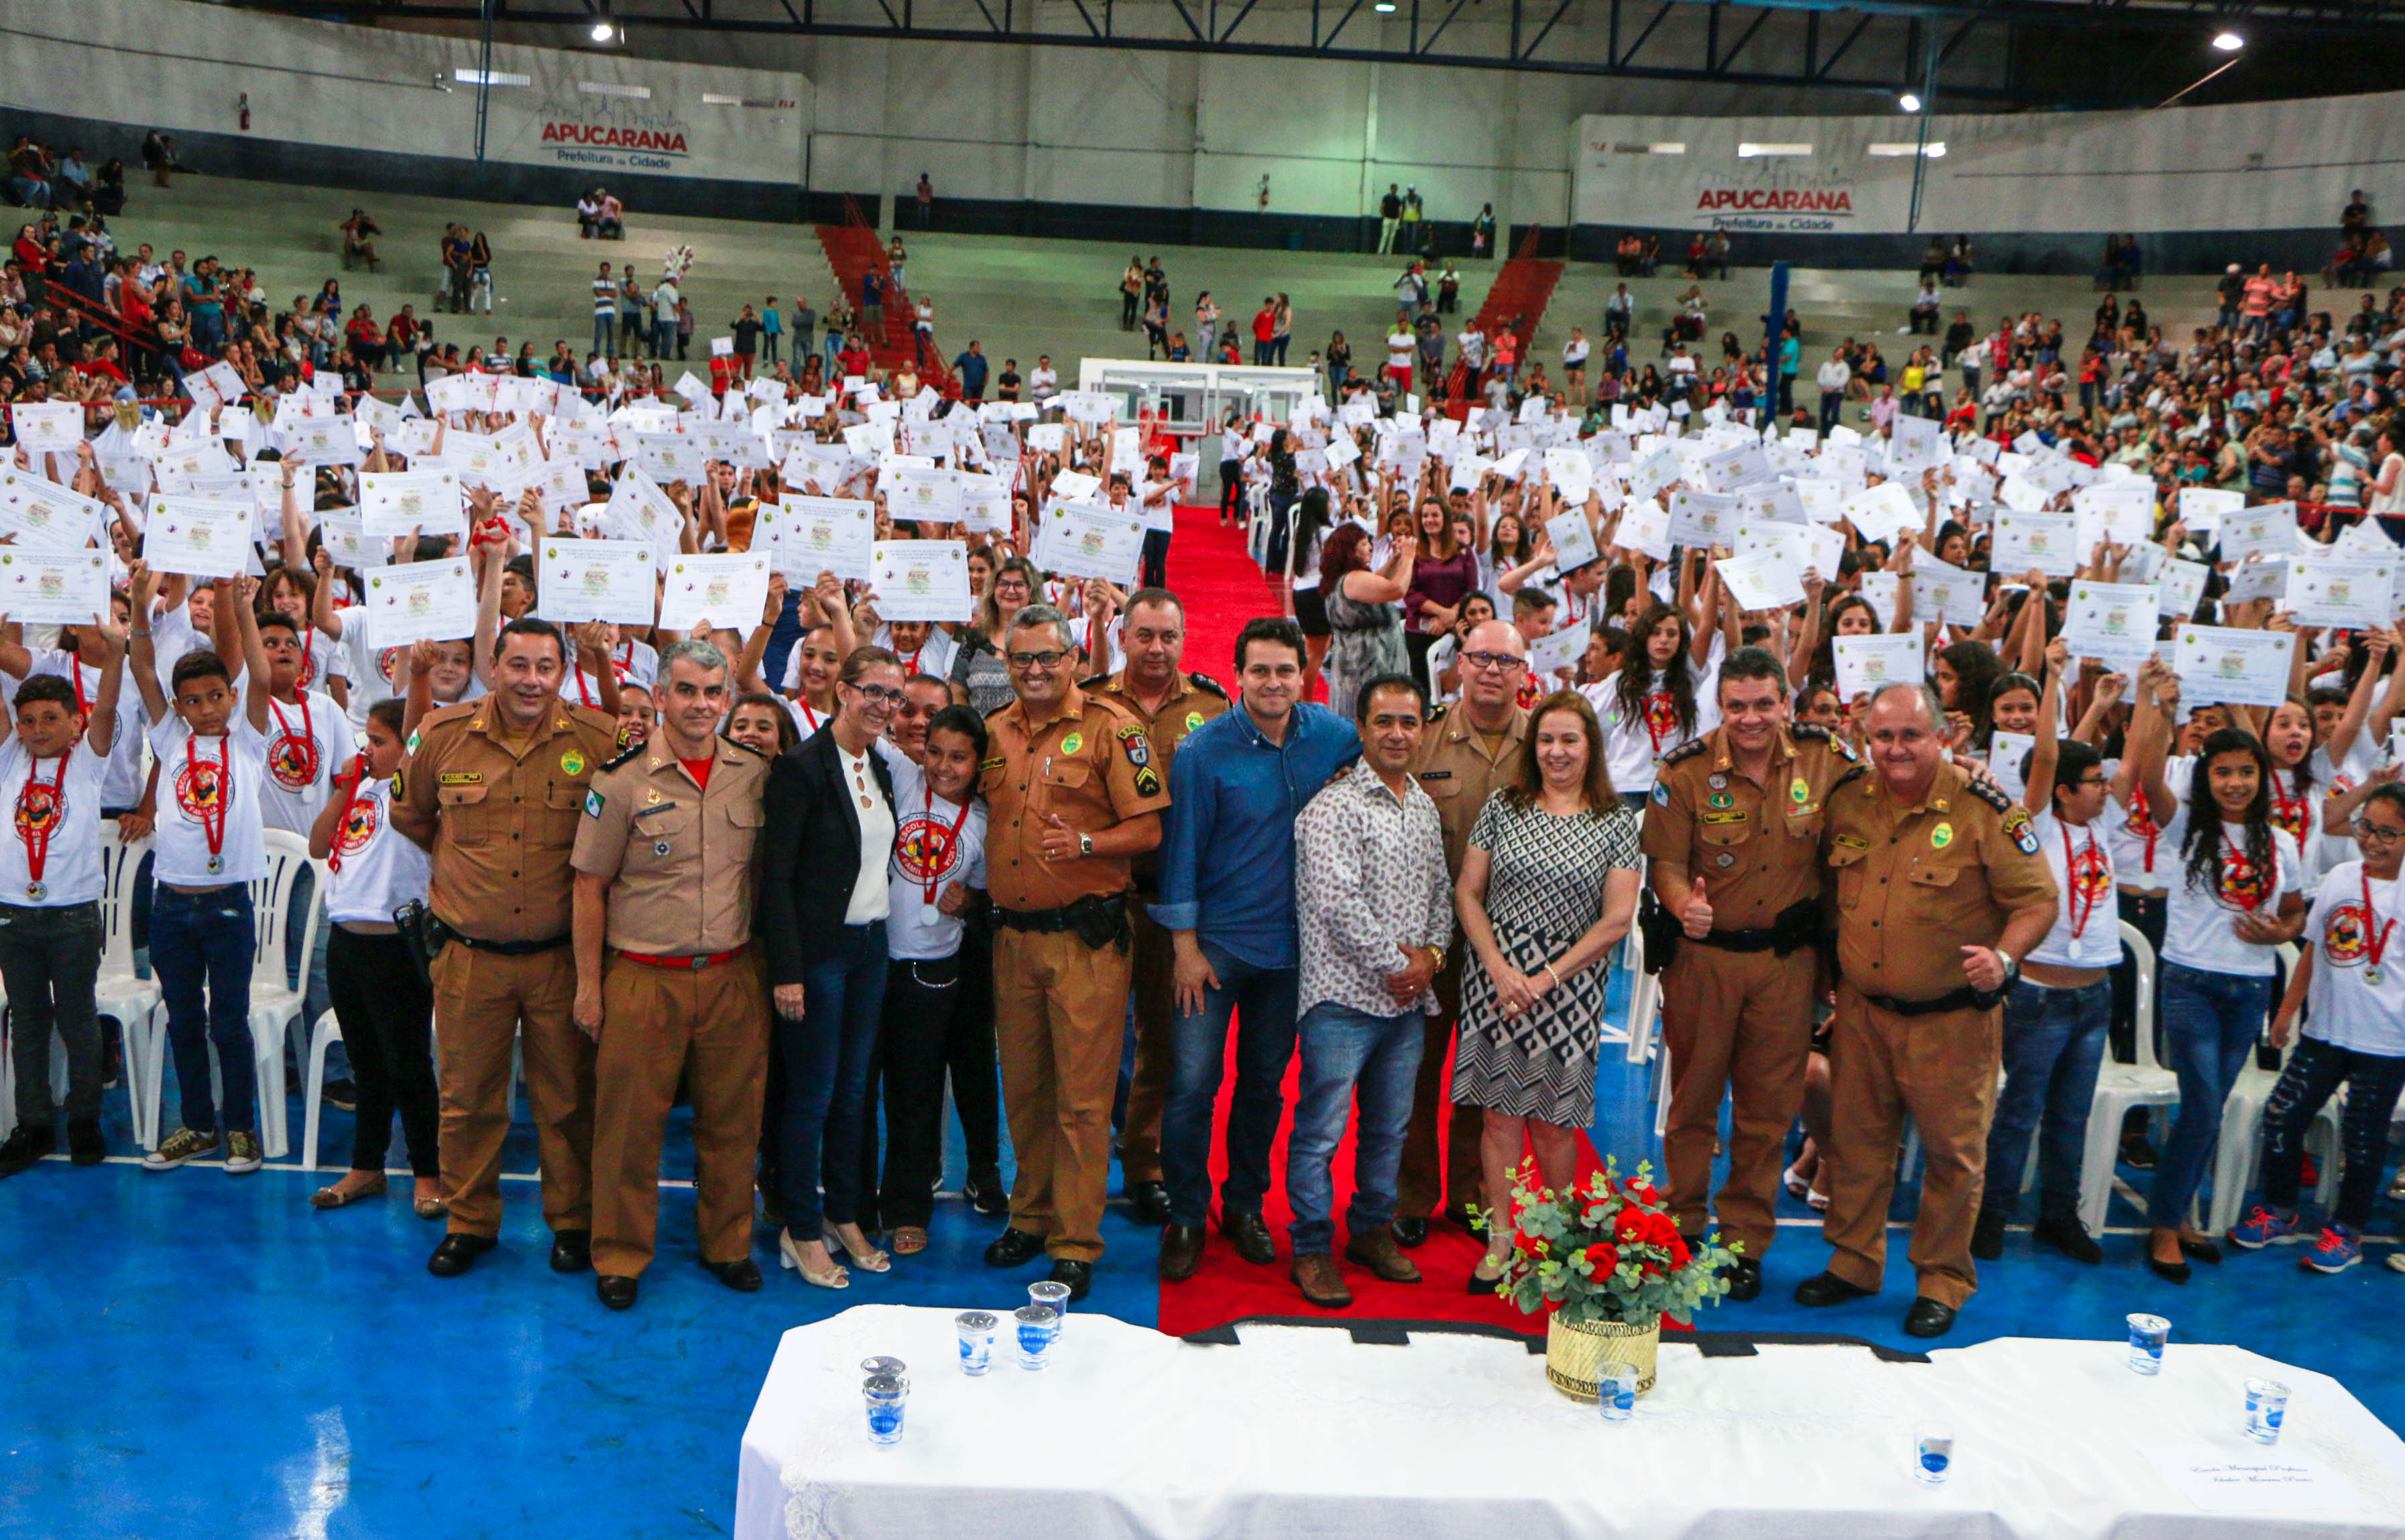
[[2147, 1334], [1039, 1327], [884, 1364], [1933, 1452], [1054, 1297], [976, 1341], [1615, 1386], [887, 1395], [2267, 1407]]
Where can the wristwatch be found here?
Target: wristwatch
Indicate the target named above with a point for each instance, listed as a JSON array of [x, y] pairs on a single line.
[[2012, 968], [1085, 843], [1436, 955]]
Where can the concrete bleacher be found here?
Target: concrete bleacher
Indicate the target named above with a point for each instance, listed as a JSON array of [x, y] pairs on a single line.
[[1019, 297]]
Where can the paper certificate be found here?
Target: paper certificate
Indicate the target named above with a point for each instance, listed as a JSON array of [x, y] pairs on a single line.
[[1560, 650], [2007, 755], [2203, 507], [611, 580], [1943, 592], [727, 591], [667, 457], [2229, 665], [834, 535], [42, 513], [985, 503], [922, 580], [1089, 540], [1573, 540], [2113, 622], [46, 426], [404, 502], [1763, 581], [2268, 529], [927, 495], [424, 601], [1866, 664], [1883, 512], [2122, 513], [2348, 594], [339, 531], [1701, 520], [54, 587], [198, 538], [2035, 542], [2256, 580], [2179, 586]]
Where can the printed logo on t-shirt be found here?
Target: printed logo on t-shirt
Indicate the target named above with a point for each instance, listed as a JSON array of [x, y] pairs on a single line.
[[2345, 934], [2243, 883], [388, 665], [1661, 716], [293, 761], [359, 826], [200, 788], [2090, 874], [924, 849], [39, 809]]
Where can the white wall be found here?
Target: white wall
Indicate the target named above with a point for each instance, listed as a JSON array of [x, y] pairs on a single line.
[[184, 68]]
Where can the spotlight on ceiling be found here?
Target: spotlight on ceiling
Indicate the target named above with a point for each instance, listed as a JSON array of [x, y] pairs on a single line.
[[2228, 42], [1908, 102], [603, 32], [1384, 7]]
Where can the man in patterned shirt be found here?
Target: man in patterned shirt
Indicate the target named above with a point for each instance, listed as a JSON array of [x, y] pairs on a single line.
[[1375, 907]]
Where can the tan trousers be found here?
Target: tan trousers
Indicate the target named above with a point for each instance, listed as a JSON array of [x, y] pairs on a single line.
[[1740, 1021], [654, 1021], [481, 1000], [1942, 1071], [1156, 1014], [1059, 1016], [1422, 1186]]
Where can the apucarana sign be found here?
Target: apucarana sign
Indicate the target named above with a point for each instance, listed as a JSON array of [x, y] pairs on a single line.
[[623, 115]]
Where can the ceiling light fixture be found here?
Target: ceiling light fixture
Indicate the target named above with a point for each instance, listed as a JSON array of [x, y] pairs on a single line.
[[603, 32], [2228, 42], [1908, 102]]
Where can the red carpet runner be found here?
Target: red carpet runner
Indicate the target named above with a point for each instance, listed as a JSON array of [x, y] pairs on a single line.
[[1222, 589]]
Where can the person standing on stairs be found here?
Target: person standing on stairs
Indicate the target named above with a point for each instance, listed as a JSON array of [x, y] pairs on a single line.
[[872, 304]]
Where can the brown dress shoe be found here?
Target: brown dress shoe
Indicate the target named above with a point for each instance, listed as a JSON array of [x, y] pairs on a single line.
[[1181, 1251], [1316, 1276], [1378, 1252]]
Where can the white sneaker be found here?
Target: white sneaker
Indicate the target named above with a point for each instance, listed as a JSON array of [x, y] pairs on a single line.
[[2396, 1261], [242, 1153]]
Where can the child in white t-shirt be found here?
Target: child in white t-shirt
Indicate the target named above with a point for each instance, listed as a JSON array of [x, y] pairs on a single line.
[[212, 752]]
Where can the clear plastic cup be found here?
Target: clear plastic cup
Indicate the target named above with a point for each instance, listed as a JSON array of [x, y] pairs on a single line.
[[1933, 1452], [1053, 1297], [2267, 1407], [1039, 1327], [2147, 1334], [1616, 1391], [976, 1341], [884, 1365], [887, 1395]]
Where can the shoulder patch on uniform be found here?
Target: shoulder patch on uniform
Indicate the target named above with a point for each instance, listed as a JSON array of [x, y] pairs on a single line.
[[1660, 794], [1853, 773], [592, 804], [620, 758], [1804, 731], [1208, 685], [2024, 832], [1147, 783], [1137, 748], [1988, 793], [1688, 749]]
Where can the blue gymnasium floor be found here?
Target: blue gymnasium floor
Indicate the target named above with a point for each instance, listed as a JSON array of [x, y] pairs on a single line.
[[190, 1355]]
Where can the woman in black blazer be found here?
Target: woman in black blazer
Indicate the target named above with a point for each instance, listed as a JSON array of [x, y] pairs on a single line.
[[822, 923]]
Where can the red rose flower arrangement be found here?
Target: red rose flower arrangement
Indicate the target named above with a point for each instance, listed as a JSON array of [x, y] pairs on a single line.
[[1609, 1250]]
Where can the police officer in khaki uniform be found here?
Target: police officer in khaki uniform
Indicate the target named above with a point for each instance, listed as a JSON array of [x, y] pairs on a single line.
[[1168, 704], [494, 788], [1940, 891], [1733, 842], [1466, 753], [665, 975], [1074, 796]]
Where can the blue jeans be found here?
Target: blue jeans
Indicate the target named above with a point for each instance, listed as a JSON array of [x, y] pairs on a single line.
[[1262, 1002], [827, 1054], [2210, 1025], [201, 947], [605, 335], [2054, 1042], [1348, 1053], [208, 331], [663, 337]]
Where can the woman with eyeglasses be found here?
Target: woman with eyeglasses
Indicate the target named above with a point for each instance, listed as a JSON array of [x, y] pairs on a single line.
[[823, 904], [2354, 976], [978, 674]]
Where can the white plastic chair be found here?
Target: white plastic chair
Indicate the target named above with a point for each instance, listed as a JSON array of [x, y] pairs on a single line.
[[120, 994], [1644, 1000], [2122, 1087], [313, 1096], [275, 1006]]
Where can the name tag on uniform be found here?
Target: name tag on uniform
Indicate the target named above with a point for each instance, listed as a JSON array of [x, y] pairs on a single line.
[[1726, 817], [460, 777], [1435, 774], [1852, 843]]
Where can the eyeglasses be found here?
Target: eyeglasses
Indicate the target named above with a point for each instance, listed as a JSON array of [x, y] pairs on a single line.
[[1036, 660], [1018, 584], [1502, 662], [2372, 833], [879, 693]]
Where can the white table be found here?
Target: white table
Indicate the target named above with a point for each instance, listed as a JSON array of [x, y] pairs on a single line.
[[1301, 1432]]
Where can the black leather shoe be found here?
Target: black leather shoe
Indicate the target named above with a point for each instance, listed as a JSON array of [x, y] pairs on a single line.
[[86, 1144], [1987, 1235], [1822, 1289], [2200, 1250], [1410, 1233], [1080, 1276], [986, 1194], [2067, 1235], [1928, 1318], [2170, 1272], [1744, 1277], [1014, 1248], [742, 1275], [616, 1293], [1181, 1251], [571, 1251], [1150, 1200], [25, 1147], [457, 1254], [1250, 1235]]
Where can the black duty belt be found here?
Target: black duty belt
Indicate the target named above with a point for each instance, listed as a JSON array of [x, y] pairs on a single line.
[[510, 949], [1097, 920], [1738, 941], [1964, 998]]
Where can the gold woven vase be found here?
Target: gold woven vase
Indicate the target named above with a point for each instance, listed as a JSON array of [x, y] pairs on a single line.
[[1573, 1352]]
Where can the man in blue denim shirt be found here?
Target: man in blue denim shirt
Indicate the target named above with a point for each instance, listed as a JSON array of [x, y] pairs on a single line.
[[1227, 899]]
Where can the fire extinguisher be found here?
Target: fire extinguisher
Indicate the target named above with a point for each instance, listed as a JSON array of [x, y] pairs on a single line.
[[243, 104]]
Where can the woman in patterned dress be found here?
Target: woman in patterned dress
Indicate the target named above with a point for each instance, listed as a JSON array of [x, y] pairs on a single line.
[[1547, 889]]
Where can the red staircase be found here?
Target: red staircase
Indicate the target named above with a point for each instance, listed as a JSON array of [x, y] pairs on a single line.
[[853, 250], [1515, 302]]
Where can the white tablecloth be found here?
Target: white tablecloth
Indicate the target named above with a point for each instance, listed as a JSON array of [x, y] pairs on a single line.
[[1301, 1432]]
